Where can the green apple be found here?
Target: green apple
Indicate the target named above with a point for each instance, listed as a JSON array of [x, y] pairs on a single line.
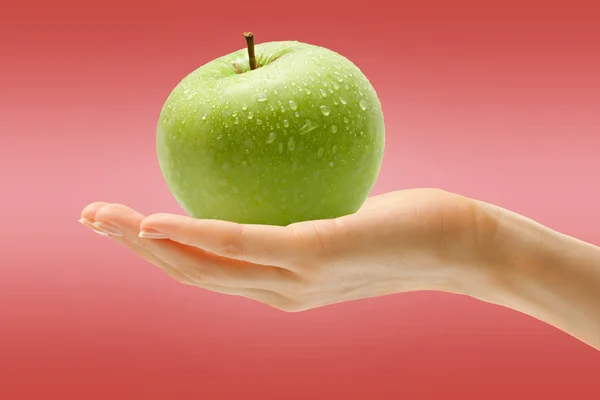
[[298, 136]]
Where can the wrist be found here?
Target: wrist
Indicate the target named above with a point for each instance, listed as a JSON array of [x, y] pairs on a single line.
[[530, 268], [508, 248]]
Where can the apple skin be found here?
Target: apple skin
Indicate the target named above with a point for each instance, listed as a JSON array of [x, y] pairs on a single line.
[[299, 138]]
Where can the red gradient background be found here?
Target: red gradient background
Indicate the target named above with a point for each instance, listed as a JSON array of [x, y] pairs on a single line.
[[497, 100]]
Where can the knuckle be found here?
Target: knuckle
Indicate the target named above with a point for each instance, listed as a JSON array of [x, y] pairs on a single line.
[[232, 245], [229, 250]]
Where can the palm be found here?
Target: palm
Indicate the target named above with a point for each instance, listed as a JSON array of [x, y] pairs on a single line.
[[303, 265]]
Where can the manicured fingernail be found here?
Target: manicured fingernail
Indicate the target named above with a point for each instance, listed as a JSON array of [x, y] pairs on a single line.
[[108, 228], [86, 222], [151, 234], [90, 224]]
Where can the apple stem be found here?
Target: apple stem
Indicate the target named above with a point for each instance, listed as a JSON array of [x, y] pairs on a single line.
[[250, 43]]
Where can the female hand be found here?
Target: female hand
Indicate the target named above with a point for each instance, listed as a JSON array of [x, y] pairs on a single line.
[[422, 239]]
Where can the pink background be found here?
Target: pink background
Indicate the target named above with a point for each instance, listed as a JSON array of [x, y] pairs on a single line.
[[494, 100]]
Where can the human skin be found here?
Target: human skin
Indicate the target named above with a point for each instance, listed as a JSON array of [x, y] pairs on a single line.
[[411, 240]]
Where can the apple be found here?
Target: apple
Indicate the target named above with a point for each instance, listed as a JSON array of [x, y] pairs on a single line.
[[276, 133]]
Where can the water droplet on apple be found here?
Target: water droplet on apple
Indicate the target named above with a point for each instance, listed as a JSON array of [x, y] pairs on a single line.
[[291, 144], [318, 73], [334, 149], [245, 163], [325, 110], [296, 114], [323, 93], [286, 123], [343, 101], [271, 138], [250, 115], [346, 120], [276, 91], [293, 105], [320, 152], [331, 163], [336, 86], [259, 121], [204, 117], [261, 97], [236, 121], [308, 127], [334, 128], [325, 84], [363, 104], [308, 91], [244, 107], [280, 147]]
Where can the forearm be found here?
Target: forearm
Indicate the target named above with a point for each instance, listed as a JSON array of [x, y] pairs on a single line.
[[547, 275]]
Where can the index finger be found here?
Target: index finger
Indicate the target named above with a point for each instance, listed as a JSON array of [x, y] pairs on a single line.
[[258, 244]]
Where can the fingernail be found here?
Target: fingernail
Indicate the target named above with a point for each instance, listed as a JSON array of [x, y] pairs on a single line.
[[151, 234], [90, 224], [108, 228]]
